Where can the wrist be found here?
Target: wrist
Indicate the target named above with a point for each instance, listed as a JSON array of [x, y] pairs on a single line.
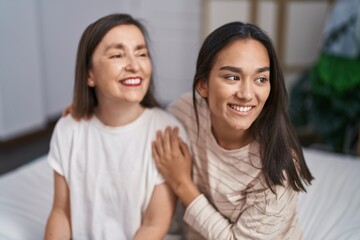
[[187, 192]]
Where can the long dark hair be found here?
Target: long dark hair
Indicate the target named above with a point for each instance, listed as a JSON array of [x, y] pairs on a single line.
[[272, 129], [84, 100]]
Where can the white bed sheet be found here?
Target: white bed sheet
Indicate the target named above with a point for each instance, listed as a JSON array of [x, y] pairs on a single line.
[[25, 201], [330, 209]]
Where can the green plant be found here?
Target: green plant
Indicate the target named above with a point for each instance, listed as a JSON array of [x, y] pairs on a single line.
[[326, 99]]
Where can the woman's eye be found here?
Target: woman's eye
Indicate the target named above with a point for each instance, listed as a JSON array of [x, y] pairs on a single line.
[[261, 79], [231, 77], [117, 56], [143, 54]]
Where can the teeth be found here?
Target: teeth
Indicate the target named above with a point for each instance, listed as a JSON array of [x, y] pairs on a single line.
[[133, 81], [240, 109]]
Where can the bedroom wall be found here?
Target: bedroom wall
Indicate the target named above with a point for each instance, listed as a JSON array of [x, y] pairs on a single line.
[[39, 40], [21, 83], [38, 46], [295, 26]]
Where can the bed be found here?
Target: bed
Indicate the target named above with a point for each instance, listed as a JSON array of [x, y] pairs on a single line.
[[330, 209]]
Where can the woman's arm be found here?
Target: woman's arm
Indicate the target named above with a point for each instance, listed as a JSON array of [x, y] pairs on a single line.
[[263, 216], [59, 225], [173, 160], [158, 215]]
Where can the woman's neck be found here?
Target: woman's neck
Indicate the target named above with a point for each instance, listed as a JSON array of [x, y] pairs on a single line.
[[115, 116], [230, 139]]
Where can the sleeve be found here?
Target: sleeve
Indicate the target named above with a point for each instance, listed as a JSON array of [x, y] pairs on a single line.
[[59, 147], [264, 216], [158, 177], [182, 108]]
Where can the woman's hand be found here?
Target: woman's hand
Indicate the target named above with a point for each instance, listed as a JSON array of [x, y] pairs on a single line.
[[68, 110], [173, 160], [172, 157]]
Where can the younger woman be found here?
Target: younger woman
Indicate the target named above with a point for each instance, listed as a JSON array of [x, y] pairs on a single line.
[[248, 166], [106, 183]]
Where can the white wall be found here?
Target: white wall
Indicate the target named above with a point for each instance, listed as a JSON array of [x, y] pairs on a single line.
[[304, 34], [38, 47], [21, 85], [303, 27], [174, 27]]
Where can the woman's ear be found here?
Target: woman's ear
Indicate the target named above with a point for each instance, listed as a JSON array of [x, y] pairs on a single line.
[[202, 88], [90, 81]]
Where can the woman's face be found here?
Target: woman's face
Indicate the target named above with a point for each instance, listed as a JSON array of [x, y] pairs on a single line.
[[121, 67], [238, 86]]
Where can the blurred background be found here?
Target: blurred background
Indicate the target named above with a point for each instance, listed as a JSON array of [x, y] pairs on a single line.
[[317, 44]]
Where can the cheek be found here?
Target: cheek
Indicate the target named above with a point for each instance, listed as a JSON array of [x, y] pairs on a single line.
[[263, 94], [147, 66], [262, 101], [99, 69], [216, 103], [221, 93], [266, 95]]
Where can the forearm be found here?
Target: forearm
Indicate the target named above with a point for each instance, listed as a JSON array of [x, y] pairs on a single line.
[[208, 222], [157, 217], [255, 222], [198, 219], [58, 226]]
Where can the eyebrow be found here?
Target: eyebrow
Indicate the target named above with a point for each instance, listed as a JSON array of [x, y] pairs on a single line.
[[239, 70], [122, 47]]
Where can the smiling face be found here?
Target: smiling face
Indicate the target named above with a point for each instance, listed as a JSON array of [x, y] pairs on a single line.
[[237, 88], [121, 68]]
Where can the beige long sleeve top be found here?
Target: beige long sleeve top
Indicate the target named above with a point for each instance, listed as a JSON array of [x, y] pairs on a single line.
[[236, 202]]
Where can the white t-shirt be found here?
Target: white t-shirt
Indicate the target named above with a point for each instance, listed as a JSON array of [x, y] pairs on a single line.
[[109, 170]]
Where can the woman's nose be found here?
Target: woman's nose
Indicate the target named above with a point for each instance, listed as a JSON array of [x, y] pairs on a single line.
[[244, 91], [132, 64]]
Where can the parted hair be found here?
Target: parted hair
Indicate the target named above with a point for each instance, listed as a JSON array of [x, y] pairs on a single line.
[[84, 99], [281, 152]]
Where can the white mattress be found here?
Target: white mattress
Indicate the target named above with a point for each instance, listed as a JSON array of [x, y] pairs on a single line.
[[25, 201], [330, 209]]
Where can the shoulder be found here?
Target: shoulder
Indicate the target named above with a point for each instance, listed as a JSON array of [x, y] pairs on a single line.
[[61, 142], [67, 126], [67, 123], [65, 132], [163, 117], [183, 103], [182, 108]]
